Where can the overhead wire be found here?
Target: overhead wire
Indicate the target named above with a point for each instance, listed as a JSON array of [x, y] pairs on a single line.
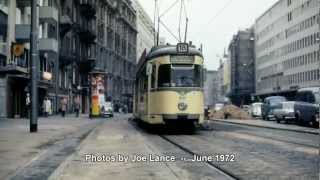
[[168, 29], [169, 8], [220, 11]]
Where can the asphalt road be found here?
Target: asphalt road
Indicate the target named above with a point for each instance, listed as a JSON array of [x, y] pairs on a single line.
[[257, 153]]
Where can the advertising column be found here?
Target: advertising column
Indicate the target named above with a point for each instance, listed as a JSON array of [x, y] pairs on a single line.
[[97, 93]]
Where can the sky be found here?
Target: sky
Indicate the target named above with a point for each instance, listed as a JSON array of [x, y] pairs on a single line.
[[211, 22]]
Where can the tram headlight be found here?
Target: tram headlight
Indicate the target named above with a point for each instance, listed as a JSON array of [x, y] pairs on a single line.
[[182, 106]]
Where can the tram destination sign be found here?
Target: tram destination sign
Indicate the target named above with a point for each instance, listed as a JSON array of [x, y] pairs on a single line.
[[182, 59], [182, 48]]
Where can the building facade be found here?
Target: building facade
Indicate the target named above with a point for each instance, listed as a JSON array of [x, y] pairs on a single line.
[[287, 47], [224, 78], [116, 50], [211, 88], [146, 31], [14, 64], [241, 54], [76, 39]]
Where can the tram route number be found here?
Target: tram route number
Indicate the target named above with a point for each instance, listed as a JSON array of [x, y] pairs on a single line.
[[182, 48]]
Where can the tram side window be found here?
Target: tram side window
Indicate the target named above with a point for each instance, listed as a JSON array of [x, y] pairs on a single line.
[[164, 72]]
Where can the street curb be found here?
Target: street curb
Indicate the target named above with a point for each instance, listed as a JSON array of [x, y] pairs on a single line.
[[267, 127], [56, 174]]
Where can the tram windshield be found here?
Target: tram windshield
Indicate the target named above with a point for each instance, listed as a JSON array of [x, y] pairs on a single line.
[[179, 75]]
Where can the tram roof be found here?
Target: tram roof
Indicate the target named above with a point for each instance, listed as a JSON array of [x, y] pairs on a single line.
[[165, 50]]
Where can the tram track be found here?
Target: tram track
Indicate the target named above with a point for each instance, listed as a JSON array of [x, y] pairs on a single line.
[[278, 138], [221, 170], [255, 151], [225, 173]]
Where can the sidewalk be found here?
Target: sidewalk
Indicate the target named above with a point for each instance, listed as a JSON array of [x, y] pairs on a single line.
[[112, 139], [270, 124], [18, 147]]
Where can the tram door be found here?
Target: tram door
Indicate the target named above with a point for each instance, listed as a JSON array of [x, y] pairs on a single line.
[[149, 75]]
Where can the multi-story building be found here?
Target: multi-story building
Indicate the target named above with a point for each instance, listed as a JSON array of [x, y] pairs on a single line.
[[287, 47], [14, 65], [76, 39], [99, 37], [224, 78], [241, 54], [211, 88], [146, 31], [116, 50]]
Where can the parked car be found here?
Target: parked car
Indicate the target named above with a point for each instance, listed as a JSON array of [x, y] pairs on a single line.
[[305, 110], [270, 104], [256, 109], [107, 109]]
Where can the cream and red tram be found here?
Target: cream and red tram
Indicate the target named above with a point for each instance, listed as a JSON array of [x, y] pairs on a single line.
[[169, 86]]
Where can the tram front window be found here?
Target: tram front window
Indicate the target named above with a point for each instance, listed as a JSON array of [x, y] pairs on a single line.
[[179, 76]]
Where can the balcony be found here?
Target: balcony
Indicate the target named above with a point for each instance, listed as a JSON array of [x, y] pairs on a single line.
[[87, 63], [48, 14], [87, 8], [65, 24], [15, 66], [48, 45], [22, 32], [87, 34], [66, 56]]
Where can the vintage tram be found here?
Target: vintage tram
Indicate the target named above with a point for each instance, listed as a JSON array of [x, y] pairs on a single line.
[[169, 86]]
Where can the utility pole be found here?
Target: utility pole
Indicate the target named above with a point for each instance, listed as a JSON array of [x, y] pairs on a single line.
[[34, 66]]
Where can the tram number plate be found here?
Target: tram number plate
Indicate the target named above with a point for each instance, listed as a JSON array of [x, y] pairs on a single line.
[[182, 48]]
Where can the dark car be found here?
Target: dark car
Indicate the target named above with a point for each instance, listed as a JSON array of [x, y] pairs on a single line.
[[270, 104], [305, 110]]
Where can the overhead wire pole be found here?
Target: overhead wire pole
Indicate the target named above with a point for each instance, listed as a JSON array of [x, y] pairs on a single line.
[[154, 21], [34, 66], [180, 18], [158, 34], [186, 30]]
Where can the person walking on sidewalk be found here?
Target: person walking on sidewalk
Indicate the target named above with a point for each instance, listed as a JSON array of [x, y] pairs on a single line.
[[28, 104], [63, 106], [77, 105], [46, 106]]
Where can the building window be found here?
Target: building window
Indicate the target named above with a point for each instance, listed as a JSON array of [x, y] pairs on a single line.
[[289, 2], [289, 16]]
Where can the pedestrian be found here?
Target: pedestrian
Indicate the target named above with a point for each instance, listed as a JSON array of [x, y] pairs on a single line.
[[28, 104], [45, 107], [48, 106], [77, 105], [63, 106]]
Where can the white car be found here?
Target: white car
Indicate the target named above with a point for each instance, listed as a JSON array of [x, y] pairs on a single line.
[[256, 109], [107, 109]]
